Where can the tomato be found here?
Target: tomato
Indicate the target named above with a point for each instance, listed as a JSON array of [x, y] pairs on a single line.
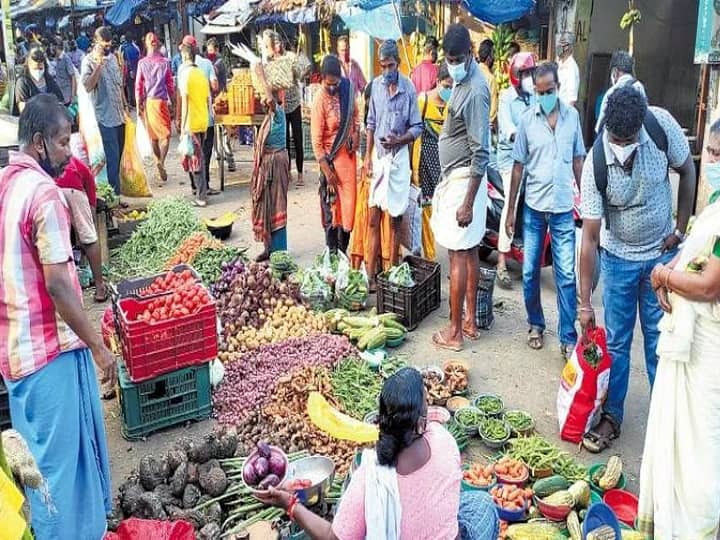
[[185, 311]]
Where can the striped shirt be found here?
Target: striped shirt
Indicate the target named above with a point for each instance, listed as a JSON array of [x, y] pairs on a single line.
[[35, 231]]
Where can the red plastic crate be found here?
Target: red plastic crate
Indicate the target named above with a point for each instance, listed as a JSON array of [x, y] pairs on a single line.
[[150, 350]]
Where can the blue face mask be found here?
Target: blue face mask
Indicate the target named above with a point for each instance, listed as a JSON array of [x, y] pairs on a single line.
[[547, 102], [445, 93], [390, 77], [712, 175], [457, 72]]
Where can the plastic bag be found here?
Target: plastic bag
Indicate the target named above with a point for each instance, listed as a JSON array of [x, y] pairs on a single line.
[[143, 141], [133, 182], [315, 290], [217, 372], [411, 225], [352, 287], [583, 385], [327, 265], [185, 146], [135, 528], [91, 133], [401, 275]]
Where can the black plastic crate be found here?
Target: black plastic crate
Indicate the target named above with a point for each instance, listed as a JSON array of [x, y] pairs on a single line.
[[412, 304], [4, 407], [164, 401]]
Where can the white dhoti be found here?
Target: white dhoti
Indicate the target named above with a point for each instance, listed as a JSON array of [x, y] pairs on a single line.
[[390, 185], [449, 196]]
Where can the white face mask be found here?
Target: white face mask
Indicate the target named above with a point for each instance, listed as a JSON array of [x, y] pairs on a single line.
[[623, 153], [527, 85]]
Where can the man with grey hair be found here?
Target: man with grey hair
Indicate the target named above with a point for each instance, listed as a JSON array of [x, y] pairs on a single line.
[[460, 200], [393, 123], [568, 70], [622, 73]]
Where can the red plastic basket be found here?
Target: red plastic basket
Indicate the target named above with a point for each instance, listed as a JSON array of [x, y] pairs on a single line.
[[150, 350]]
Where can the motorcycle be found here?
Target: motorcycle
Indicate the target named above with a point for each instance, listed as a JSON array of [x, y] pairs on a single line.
[[496, 202]]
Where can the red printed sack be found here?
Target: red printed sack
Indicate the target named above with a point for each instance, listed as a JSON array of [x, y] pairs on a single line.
[[583, 385]]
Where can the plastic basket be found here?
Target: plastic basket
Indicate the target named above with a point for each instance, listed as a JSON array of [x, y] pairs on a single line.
[[150, 350], [412, 304], [164, 401], [4, 407], [484, 317], [241, 99], [134, 288]]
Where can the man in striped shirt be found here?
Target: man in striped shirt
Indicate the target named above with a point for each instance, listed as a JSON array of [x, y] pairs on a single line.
[[47, 345]]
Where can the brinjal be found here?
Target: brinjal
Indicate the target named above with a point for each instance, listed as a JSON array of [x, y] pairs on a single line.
[[277, 465], [264, 449], [262, 467], [249, 474], [269, 480]]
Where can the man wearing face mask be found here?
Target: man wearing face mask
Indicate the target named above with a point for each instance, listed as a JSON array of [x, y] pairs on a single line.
[[514, 101], [568, 70], [425, 74], [49, 351], [549, 151], [351, 70], [622, 73], [34, 80], [625, 183], [459, 205], [102, 77], [393, 123]]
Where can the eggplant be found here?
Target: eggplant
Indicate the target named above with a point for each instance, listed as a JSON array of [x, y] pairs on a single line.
[[262, 467], [277, 465], [249, 474], [264, 448], [269, 480]]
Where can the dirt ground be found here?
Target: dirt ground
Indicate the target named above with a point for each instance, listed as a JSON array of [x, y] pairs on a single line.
[[500, 361]]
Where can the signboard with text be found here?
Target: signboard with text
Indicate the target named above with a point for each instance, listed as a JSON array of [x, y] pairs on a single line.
[[707, 39]]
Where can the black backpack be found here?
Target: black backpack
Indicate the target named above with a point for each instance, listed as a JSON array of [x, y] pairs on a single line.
[[657, 136]]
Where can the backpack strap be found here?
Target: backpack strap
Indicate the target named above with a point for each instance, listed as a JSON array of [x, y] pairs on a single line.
[[600, 166], [656, 132]]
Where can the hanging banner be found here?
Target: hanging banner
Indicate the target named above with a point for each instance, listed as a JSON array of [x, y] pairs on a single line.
[[707, 39]]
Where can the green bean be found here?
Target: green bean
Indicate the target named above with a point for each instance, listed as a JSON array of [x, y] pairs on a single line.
[[469, 417], [489, 404], [519, 420], [356, 387], [494, 429], [537, 453]]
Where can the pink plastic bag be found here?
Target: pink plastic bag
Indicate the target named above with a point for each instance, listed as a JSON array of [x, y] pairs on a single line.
[[142, 529]]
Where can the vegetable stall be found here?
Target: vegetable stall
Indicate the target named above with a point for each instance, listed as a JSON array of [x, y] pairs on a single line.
[[289, 362]]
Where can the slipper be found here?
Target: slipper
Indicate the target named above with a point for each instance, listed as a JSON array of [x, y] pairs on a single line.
[[439, 341], [535, 339], [471, 337]]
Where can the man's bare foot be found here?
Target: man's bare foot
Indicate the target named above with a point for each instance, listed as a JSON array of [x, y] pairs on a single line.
[[300, 181], [446, 339], [372, 286]]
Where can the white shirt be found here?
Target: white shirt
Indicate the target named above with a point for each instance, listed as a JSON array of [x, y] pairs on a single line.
[[622, 81], [569, 75]]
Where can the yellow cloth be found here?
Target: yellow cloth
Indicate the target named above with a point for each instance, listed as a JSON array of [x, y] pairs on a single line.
[[436, 118], [494, 90], [359, 242], [194, 85]]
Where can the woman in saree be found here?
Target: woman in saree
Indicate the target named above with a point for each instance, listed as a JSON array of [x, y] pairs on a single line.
[[407, 487], [426, 159], [269, 184], [335, 136], [680, 474]]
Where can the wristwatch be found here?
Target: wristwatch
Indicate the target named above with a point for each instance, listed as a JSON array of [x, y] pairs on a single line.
[[680, 236]]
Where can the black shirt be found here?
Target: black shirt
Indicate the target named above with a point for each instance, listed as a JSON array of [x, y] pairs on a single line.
[[25, 88]]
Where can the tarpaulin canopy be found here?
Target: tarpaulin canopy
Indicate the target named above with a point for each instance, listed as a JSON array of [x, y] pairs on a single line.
[[497, 11], [24, 7], [378, 23], [122, 11]]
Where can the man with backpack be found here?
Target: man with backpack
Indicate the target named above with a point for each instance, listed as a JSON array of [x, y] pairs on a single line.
[[622, 73], [627, 211]]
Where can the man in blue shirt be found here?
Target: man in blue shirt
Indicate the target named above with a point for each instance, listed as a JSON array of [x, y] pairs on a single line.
[[131, 56], [549, 149]]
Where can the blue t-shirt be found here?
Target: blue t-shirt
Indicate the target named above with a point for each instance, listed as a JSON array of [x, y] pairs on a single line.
[[131, 56]]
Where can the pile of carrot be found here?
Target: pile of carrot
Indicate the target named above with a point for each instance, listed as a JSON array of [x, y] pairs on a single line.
[[190, 247], [511, 469], [511, 497], [479, 476]]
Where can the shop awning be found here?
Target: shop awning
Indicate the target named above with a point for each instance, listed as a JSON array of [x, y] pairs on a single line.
[[498, 11], [122, 11], [379, 23]]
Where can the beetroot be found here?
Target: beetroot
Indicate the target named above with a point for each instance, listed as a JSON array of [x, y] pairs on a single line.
[[262, 467], [277, 465], [269, 480]]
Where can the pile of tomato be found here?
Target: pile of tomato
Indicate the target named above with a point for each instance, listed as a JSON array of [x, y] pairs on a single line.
[[183, 295]]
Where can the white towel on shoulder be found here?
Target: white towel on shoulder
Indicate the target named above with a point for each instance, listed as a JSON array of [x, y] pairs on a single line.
[[382, 499]]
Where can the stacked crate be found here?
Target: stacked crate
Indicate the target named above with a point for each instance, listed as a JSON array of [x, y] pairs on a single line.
[[164, 378]]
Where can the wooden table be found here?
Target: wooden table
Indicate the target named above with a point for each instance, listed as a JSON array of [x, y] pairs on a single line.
[[232, 120]]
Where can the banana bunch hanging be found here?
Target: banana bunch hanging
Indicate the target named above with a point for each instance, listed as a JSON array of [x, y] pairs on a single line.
[[631, 17]]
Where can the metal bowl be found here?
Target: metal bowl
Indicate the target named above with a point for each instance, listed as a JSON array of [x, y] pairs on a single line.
[[320, 471]]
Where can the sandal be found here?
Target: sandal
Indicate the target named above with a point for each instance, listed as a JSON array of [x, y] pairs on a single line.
[[101, 299], [566, 351], [503, 279], [440, 342], [595, 442], [535, 338], [471, 336]]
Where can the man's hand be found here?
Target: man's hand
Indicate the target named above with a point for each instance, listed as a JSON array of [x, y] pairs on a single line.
[[464, 215], [663, 299], [105, 362], [586, 317], [275, 497], [391, 141], [510, 222], [368, 167], [670, 243]]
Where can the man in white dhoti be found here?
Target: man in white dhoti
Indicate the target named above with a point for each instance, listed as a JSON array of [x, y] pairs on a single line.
[[460, 200], [393, 123]]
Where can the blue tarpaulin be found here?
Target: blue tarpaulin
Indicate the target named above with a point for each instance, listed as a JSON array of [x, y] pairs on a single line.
[[498, 11], [122, 11], [379, 23]]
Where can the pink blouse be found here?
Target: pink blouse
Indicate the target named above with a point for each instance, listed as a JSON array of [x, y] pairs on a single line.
[[429, 497]]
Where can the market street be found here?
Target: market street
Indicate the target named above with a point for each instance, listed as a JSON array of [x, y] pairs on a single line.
[[501, 362]]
